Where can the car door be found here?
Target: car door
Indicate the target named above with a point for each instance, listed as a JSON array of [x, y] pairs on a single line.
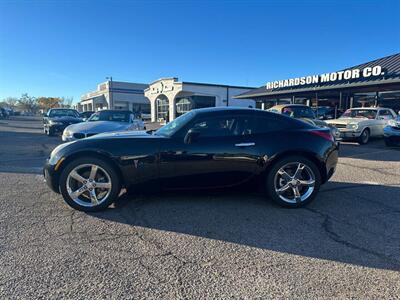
[[222, 154]]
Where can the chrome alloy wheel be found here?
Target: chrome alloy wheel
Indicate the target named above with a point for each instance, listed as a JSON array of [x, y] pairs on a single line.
[[294, 182], [88, 185]]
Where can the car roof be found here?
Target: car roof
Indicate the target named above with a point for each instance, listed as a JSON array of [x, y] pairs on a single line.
[[368, 108], [235, 110], [280, 106], [221, 109], [115, 110]]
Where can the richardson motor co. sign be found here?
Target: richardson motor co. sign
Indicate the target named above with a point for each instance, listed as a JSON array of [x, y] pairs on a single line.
[[327, 77]]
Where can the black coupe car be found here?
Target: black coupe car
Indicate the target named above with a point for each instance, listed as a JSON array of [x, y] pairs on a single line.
[[204, 148], [56, 119]]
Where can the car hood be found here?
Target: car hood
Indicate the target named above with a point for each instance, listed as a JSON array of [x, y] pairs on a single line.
[[65, 119], [345, 121], [98, 127], [124, 134]]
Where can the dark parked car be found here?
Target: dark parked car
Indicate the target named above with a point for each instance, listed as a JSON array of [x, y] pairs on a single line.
[[204, 148], [4, 114], [86, 114], [56, 119]]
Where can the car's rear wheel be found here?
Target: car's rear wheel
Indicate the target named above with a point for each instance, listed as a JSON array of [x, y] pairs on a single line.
[[89, 184], [293, 181], [364, 137]]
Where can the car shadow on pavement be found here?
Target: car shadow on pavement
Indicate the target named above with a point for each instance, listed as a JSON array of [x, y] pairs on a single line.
[[356, 224]]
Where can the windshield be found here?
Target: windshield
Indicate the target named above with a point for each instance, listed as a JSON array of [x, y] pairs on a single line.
[[322, 110], [113, 116], [172, 127], [298, 112], [55, 113], [359, 113]]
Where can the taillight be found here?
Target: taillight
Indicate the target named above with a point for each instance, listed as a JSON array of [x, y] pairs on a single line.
[[324, 134]]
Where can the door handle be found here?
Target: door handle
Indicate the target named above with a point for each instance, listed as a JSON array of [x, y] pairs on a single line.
[[245, 144]]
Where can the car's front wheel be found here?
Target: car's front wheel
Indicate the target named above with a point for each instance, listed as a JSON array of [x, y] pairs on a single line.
[[49, 131], [293, 181], [388, 142], [364, 137], [89, 184]]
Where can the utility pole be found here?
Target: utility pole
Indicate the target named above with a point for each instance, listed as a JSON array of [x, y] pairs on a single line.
[[110, 92]]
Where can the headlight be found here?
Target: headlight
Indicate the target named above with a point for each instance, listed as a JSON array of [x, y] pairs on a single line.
[[352, 126], [67, 133], [392, 123], [55, 123]]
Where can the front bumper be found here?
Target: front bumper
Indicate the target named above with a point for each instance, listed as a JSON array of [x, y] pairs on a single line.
[[349, 134], [58, 128], [390, 131], [51, 177]]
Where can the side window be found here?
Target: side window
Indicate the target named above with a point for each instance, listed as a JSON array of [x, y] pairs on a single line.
[[269, 124], [385, 114], [224, 126]]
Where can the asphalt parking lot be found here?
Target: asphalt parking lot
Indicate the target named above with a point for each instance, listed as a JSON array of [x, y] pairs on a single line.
[[346, 244]]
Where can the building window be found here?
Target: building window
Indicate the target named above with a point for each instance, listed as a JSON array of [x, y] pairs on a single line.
[[162, 108], [183, 105], [390, 99], [186, 104]]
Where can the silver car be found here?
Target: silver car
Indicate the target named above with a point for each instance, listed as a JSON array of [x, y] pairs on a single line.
[[103, 121]]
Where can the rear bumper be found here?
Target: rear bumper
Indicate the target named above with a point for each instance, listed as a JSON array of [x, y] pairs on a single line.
[[331, 161]]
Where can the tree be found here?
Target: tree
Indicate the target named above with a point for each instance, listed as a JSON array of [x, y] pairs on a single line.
[[11, 101], [28, 103], [49, 102]]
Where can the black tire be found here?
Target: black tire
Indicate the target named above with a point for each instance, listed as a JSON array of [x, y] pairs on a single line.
[[50, 131], [270, 180], [115, 183], [364, 137], [388, 142]]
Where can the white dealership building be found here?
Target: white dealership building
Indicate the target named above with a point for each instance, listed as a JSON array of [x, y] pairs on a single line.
[[116, 95], [165, 98], [169, 98]]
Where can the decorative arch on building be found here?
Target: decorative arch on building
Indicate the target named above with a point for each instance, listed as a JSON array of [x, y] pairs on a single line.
[[162, 107]]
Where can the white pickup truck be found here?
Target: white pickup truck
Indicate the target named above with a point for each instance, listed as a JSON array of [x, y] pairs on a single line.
[[362, 123]]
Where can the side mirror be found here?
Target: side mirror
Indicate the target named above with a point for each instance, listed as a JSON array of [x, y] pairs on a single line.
[[84, 119], [191, 136]]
